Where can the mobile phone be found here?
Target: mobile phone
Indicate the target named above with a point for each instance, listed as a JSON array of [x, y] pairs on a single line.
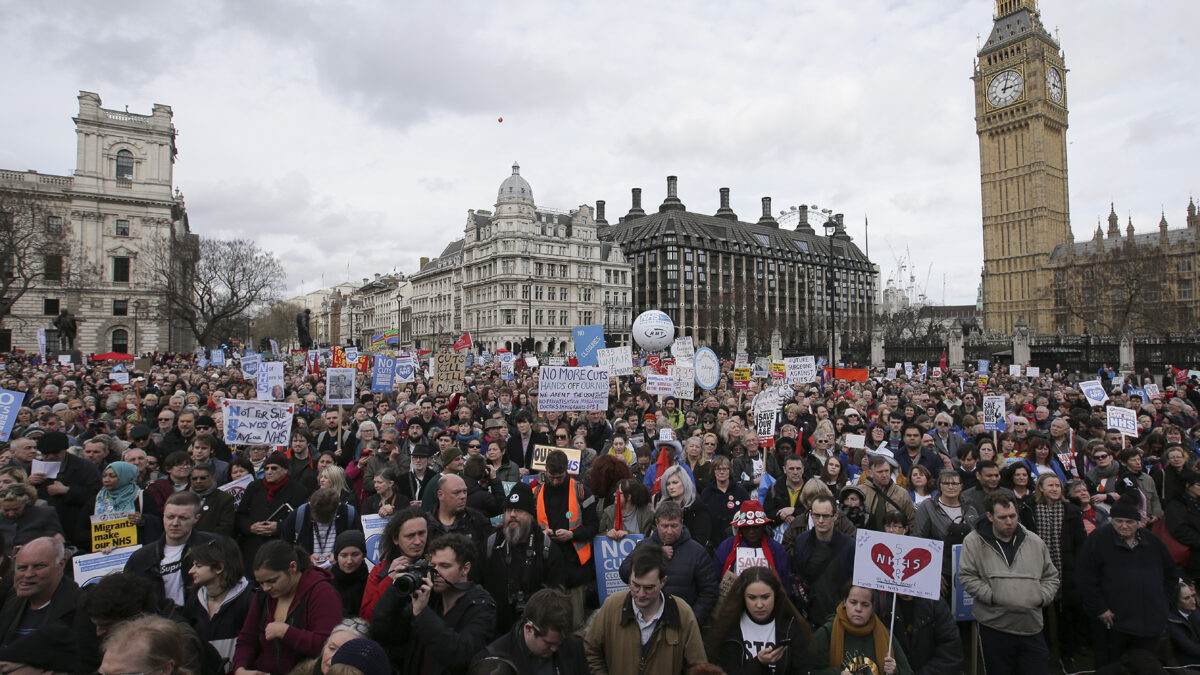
[[785, 642]]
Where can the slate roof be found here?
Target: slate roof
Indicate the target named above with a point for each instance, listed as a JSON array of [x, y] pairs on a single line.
[[1013, 28], [1176, 237]]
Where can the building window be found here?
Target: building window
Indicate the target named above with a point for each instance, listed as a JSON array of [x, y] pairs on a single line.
[[50, 306], [563, 317], [537, 317], [1185, 289], [52, 267], [124, 165], [120, 341], [510, 316], [537, 294], [54, 224], [551, 293], [120, 308], [1184, 265], [122, 228], [121, 270]]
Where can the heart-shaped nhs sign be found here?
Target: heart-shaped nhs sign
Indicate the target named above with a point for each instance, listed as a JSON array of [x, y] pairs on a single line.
[[911, 563]]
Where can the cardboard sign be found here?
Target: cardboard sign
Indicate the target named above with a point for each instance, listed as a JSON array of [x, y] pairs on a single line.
[[340, 384], [748, 557], [1094, 392], [237, 488], [895, 563], [660, 385], [707, 368], [142, 364], [618, 360], [683, 349], [1122, 419], [610, 553], [10, 405], [256, 422], [372, 527], [541, 452], [801, 369], [1014, 370], [683, 382], [567, 389], [113, 530], [741, 378], [993, 413], [93, 567], [449, 371], [1033, 371], [269, 381]]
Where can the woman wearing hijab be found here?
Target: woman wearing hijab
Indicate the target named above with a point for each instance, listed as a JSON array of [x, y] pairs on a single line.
[[119, 493]]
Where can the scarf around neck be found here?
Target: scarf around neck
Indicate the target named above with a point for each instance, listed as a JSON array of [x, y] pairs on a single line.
[[737, 541], [274, 488], [842, 626]]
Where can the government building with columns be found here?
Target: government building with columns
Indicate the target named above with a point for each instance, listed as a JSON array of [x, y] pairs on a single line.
[[522, 272]]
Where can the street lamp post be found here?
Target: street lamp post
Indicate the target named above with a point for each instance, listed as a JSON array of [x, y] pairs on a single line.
[[137, 309], [830, 232]]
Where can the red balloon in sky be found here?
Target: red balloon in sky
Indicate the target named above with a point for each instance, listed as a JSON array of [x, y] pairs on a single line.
[[501, 119]]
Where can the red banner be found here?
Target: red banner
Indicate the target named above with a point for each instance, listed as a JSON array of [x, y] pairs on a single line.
[[464, 342]]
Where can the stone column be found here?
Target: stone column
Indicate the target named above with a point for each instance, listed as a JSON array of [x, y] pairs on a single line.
[[741, 341], [877, 348], [1020, 342], [1126, 353], [776, 345], [955, 359]]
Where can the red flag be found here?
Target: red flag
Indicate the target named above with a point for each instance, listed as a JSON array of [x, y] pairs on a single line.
[[664, 463], [464, 342], [942, 363]]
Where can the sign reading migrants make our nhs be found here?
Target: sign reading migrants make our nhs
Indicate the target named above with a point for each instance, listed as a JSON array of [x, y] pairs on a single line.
[[568, 389], [588, 339]]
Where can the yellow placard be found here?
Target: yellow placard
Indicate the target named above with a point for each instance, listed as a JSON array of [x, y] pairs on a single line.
[[778, 369], [113, 531], [741, 374], [541, 452]]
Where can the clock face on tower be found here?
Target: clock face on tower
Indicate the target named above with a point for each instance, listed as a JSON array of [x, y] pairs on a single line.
[[1005, 88], [1054, 84]]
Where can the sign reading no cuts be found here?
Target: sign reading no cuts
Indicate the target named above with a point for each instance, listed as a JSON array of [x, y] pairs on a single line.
[[568, 389]]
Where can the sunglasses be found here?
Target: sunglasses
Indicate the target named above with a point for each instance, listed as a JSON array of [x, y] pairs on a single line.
[[473, 445], [561, 438]]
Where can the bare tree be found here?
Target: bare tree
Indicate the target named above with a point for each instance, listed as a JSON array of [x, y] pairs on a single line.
[[33, 249], [230, 280], [1124, 289], [277, 322]]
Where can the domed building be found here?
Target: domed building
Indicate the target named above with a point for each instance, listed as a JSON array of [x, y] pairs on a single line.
[[521, 278]]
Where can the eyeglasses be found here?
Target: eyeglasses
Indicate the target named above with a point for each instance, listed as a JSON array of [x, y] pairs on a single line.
[[943, 424], [821, 516], [473, 445], [164, 419], [952, 483], [1102, 455]]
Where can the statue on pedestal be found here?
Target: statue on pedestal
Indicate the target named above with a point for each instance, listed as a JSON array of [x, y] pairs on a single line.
[[302, 323], [65, 323]]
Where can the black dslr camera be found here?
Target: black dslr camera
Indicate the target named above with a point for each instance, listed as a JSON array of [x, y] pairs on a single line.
[[413, 576]]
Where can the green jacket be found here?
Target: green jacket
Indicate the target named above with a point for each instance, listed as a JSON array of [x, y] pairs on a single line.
[[856, 652]]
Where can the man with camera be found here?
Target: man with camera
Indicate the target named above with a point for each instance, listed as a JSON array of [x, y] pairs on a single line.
[[439, 625], [521, 558]]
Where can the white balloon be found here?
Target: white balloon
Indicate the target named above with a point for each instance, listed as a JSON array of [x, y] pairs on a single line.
[[653, 330]]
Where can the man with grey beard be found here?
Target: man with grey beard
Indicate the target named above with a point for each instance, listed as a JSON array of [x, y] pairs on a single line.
[[521, 559]]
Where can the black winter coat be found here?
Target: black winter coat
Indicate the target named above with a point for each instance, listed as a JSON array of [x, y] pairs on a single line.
[[930, 640], [1133, 583], [1071, 542], [736, 661], [541, 564], [256, 507], [1183, 522], [691, 576], [569, 659], [449, 640]]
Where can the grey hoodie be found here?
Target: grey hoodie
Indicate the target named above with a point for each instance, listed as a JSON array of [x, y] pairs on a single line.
[[1009, 593]]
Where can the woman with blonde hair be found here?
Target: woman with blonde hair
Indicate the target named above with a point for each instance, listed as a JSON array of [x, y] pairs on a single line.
[[334, 476]]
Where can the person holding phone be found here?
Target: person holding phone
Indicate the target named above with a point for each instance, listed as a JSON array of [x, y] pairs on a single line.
[[756, 629]]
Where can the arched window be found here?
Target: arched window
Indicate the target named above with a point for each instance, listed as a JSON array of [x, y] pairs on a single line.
[[124, 165], [120, 341]]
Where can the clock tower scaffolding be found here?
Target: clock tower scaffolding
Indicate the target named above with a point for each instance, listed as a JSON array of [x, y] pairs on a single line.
[[1021, 120]]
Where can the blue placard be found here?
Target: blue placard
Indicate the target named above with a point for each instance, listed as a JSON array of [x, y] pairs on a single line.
[[984, 366], [383, 377], [217, 357], [962, 603], [10, 404], [587, 340], [610, 553]]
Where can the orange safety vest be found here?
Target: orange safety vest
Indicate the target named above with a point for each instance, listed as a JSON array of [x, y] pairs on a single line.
[[583, 549]]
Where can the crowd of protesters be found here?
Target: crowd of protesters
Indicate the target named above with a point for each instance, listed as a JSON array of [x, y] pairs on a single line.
[[1079, 543]]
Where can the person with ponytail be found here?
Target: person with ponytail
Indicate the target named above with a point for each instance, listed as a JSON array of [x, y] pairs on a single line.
[[291, 616], [854, 638]]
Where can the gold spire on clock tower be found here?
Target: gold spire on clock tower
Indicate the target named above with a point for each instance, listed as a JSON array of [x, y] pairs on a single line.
[[1021, 121]]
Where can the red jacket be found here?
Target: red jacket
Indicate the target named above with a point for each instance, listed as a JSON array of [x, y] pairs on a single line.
[[377, 582], [315, 611]]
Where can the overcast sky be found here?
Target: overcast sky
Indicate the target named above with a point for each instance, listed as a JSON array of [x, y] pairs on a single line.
[[350, 138]]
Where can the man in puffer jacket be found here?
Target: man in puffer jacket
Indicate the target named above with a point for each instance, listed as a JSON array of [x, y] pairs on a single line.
[[1008, 571], [690, 573]]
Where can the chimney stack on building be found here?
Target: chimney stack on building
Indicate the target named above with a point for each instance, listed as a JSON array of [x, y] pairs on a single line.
[[636, 211], [672, 203], [600, 212], [767, 219], [725, 212]]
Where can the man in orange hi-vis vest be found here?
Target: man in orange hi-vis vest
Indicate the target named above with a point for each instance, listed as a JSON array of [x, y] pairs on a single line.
[[566, 510]]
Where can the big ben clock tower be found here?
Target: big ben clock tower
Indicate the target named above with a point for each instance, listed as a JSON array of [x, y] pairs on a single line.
[[1021, 119]]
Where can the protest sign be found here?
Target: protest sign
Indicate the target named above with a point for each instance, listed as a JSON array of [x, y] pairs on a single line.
[[764, 424], [274, 346], [113, 530], [531, 361], [748, 556], [588, 340], [1014, 370], [93, 567], [449, 370], [741, 378], [541, 452], [119, 378], [610, 553], [908, 369], [683, 349], [566, 389], [658, 385], [993, 413], [64, 360], [985, 365], [741, 360], [373, 532], [762, 366], [1122, 419], [554, 361], [895, 563], [383, 375], [507, 362], [256, 422], [801, 369], [778, 370], [10, 404], [961, 603], [250, 363], [339, 386], [1152, 391], [937, 371], [237, 487], [707, 368], [1140, 393], [683, 379], [406, 369], [217, 357], [618, 360], [270, 381], [1033, 371], [1094, 392], [856, 441], [351, 355]]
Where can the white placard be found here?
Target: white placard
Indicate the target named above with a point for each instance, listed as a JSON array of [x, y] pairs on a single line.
[[895, 563], [748, 557], [618, 360], [93, 567], [531, 361], [1094, 392], [708, 368], [250, 364], [1014, 370], [657, 385], [50, 469], [993, 413], [855, 441], [64, 359], [339, 386], [270, 381], [568, 389], [908, 369], [801, 369], [256, 422], [1122, 419], [119, 378], [1152, 391], [1033, 371], [683, 382], [742, 360], [683, 349], [373, 531], [237, 487]]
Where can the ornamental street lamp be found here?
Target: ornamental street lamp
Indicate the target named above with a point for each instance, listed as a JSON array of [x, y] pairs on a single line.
[[830, 232]]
